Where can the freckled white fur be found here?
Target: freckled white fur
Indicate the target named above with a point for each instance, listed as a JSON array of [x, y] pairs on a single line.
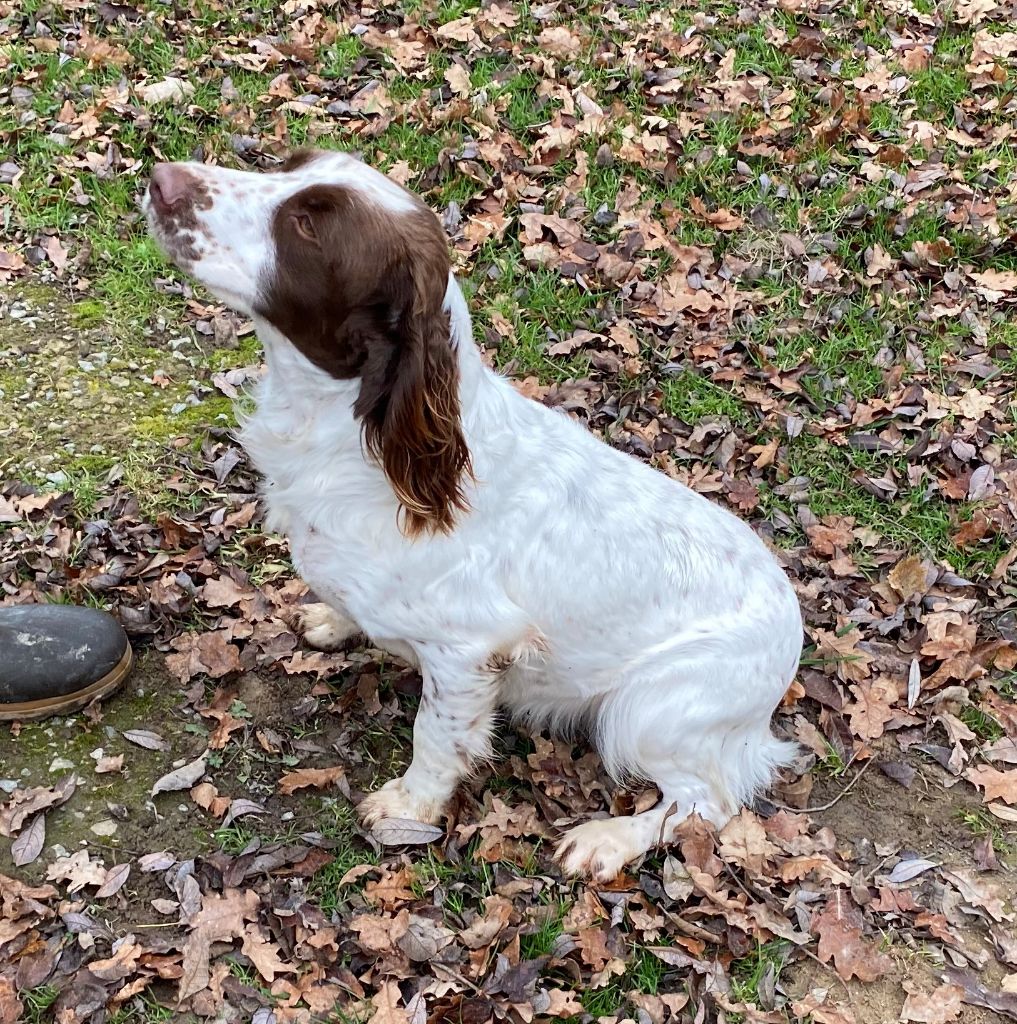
[[627, 604]]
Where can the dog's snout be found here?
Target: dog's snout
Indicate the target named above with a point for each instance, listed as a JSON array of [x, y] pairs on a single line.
[[170, 185]]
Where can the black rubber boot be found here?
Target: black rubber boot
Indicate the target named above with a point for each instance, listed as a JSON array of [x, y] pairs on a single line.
[[56, 658]]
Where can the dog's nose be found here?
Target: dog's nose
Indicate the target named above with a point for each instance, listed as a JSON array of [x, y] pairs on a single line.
[[169, 185]]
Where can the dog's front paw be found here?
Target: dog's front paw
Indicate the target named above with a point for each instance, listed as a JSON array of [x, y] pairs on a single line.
[[599, 849], [395, 800], [322, 627]]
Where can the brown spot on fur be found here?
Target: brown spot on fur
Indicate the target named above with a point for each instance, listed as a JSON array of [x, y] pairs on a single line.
[[359, 291]]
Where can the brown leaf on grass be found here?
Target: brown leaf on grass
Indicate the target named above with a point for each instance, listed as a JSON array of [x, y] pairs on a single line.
[[387, 1003], [560, 42], [743, 842], [263, 953], [319, 778], [224, 592], [483, 931], [220, 919], [997, 785], [909, 577], [839, 927], [26, 803], [423, 939], [841, 651], [380, 934], [390, 890], [405, 832], [227, 725]]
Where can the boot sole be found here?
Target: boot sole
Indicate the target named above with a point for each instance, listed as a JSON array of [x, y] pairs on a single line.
[[68, 703]]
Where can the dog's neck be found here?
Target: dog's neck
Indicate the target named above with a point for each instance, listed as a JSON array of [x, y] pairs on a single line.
[[290, 372]]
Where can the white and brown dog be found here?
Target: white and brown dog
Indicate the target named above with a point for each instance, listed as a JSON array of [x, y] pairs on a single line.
[[516, 560]]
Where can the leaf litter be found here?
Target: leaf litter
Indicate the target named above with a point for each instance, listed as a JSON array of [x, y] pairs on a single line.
[[912, 647]]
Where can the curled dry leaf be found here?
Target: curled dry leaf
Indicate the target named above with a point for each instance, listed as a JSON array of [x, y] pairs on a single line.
[[169, 90], [319, 778], [180, 778], [839, 926], [145, 738]]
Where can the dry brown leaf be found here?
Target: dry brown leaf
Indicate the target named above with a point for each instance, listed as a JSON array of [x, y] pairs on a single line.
[[221, 918], [319, 778], [839, 927], [743, 842], [387, 1003], [996, 784], [940, 1006]]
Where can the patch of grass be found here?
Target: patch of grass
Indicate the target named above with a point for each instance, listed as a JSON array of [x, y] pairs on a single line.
[[690, 398], [337, 822], [984, 726], [37, 1001], [645, 974], [142, 1010], [980, 822], [749, 972], [541, 941]]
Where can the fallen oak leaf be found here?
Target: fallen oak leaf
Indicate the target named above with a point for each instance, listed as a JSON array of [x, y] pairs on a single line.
[[220, 919], [183, 777], [265, 957], [839, 927], [979, 892], [387, 1006], [997, 785], [26, 803], [743, 842], [78, 870]]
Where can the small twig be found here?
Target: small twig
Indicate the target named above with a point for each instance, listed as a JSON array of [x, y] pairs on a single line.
[[456, 976], [693, 931], [840, 796]]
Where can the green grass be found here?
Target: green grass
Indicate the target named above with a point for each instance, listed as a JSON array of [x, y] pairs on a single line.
[[644, 974], [980, 823], [749, 972], [37, 1001]]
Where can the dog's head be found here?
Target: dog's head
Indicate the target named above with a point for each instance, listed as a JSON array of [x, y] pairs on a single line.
[[352, 270]]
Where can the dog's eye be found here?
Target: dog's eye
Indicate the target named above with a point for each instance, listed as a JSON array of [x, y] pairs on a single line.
[[305, 226]]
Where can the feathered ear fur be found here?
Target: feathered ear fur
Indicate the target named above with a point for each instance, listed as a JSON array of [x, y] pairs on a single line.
[[360, 294], [410, 405]]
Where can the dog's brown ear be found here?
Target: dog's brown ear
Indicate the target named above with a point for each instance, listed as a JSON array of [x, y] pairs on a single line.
[[410, 405]]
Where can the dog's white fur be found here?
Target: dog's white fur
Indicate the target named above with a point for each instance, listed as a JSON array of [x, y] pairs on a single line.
[[581, 589]]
